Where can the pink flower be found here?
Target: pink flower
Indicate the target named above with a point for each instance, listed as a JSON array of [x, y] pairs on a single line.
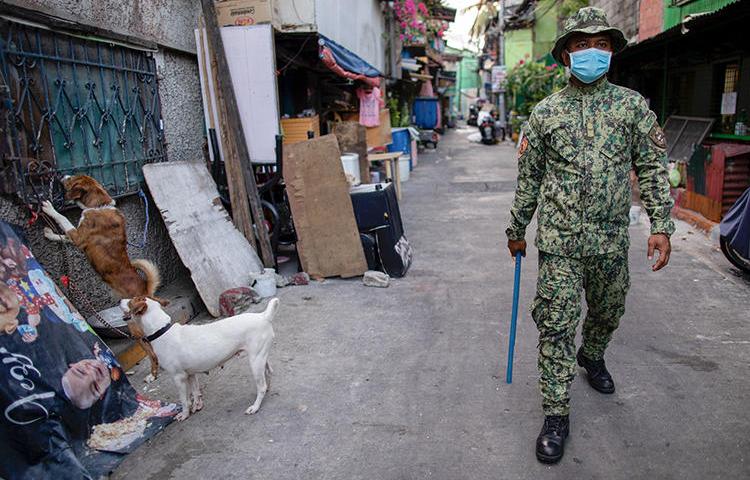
[[548, 68], [414, 24], [554, 65], [401, 37], [404, 24], [422, 8], [520, 62]]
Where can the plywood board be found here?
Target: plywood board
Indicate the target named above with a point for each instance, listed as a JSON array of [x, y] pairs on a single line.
[[329, 243], [215, 252], [252, 66], [352, 137]]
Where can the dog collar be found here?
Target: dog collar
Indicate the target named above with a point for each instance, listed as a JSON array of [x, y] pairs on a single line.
[[158, 333]]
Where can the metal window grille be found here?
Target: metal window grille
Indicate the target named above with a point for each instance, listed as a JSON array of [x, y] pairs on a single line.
[[75, 105], [731, 77]]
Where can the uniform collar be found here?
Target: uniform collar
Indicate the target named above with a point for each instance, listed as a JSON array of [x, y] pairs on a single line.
[[597, 87]]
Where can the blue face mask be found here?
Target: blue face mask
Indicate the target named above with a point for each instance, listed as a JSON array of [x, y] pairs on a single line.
[[590, 64]]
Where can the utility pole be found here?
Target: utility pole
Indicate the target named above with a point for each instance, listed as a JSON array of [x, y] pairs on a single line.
[[501, 61]]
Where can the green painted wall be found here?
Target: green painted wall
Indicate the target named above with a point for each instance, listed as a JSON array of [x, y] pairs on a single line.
[[467, 71], [519, 45], [545, 27], [674, 15]]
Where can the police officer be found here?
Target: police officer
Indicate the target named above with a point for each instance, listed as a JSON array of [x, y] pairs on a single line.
[[578, 148]]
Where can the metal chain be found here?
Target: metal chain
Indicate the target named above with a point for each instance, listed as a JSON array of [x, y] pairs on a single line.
[[96, 314]]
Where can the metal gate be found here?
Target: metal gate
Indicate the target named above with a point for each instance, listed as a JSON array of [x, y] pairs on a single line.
[[72, 104]]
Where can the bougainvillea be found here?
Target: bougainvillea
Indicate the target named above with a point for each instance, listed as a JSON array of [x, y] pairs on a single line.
[[411, 17]]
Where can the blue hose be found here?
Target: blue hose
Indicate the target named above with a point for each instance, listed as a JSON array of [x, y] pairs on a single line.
[[142, 194]]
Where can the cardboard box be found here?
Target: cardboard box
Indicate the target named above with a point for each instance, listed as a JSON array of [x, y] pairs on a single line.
[[243, 12], [379, 136]]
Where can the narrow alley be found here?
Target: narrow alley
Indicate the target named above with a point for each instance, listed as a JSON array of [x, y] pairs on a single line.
[[408, 382]]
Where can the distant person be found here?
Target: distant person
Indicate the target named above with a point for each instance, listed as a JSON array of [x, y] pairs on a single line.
[[574, 161]]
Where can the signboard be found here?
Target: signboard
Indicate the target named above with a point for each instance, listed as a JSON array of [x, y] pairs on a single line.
[[729, 103], [498, 78]]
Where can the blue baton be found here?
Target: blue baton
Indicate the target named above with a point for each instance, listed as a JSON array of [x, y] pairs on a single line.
[[513, 320]]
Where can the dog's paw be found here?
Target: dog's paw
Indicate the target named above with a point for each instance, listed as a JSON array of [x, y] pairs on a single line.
[[49, 234], [252, 409], [149, 378], [183, 415], [197, 405], [48, 208]]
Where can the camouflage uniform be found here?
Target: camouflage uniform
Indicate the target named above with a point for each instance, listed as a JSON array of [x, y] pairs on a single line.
[[574, 162]]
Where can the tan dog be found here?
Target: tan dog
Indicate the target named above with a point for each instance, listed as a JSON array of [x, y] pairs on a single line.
[[101, 236]]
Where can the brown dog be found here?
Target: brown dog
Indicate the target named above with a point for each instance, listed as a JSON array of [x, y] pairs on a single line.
[[101, 236]]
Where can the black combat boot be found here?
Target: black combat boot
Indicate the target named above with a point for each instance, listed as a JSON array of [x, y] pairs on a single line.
[[550, 444], [598, 376]]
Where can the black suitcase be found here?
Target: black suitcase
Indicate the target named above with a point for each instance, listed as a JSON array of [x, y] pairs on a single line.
[[370, 246], [377, 213]]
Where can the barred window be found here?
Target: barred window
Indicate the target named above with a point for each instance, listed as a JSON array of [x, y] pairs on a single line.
[[73, 104]]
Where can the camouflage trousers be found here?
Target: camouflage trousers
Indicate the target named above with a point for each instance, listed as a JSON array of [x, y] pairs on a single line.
[[557, 309]]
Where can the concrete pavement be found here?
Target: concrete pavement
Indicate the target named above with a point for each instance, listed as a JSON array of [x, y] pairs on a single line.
[[408, 382]]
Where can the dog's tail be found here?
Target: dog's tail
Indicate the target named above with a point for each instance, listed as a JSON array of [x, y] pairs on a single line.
[[153, 278], [271, 309]]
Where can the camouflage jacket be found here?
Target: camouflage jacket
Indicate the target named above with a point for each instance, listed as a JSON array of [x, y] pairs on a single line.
[[575, 159]]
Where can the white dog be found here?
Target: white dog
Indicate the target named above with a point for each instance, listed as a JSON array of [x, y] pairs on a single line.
[[185, 350]]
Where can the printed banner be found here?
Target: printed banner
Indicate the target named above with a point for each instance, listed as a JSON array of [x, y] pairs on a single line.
[[67, 409]]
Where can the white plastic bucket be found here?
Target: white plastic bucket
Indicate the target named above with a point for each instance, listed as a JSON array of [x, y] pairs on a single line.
[[403, 168], [265, 283], [350, 161]]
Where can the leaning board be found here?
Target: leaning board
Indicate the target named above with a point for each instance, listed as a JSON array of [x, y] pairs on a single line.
[[329, 243], [215, 252]]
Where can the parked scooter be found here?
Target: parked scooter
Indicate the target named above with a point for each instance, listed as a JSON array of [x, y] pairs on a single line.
[[487, 128], [735, 233], [473, 115]]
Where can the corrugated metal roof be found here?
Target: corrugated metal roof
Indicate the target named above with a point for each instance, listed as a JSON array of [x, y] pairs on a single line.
[[692, 26]]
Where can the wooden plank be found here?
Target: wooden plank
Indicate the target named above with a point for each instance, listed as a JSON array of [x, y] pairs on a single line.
[[352, 137], [238, 137], [376, 136], [241, 214], [702, 204], [218, 256], [329, 243]]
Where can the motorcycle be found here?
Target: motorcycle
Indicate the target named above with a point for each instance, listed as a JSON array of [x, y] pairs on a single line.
[[734, 232], [473, 115], [487, 129]]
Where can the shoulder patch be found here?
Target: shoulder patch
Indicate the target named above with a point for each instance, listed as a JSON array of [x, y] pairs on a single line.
[[524, 146], [657, 137]]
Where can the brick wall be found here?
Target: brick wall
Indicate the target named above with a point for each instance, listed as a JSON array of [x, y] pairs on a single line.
[[652, 18], [622, 14]]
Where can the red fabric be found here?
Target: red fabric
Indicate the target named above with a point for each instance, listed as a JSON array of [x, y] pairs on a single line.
[[329, 61]]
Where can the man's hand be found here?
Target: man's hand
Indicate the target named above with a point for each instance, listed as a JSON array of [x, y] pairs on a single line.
[[661, 243], [517, 246]]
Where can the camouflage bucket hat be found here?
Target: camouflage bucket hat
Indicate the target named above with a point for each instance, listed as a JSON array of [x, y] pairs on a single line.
[[588, 20]]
